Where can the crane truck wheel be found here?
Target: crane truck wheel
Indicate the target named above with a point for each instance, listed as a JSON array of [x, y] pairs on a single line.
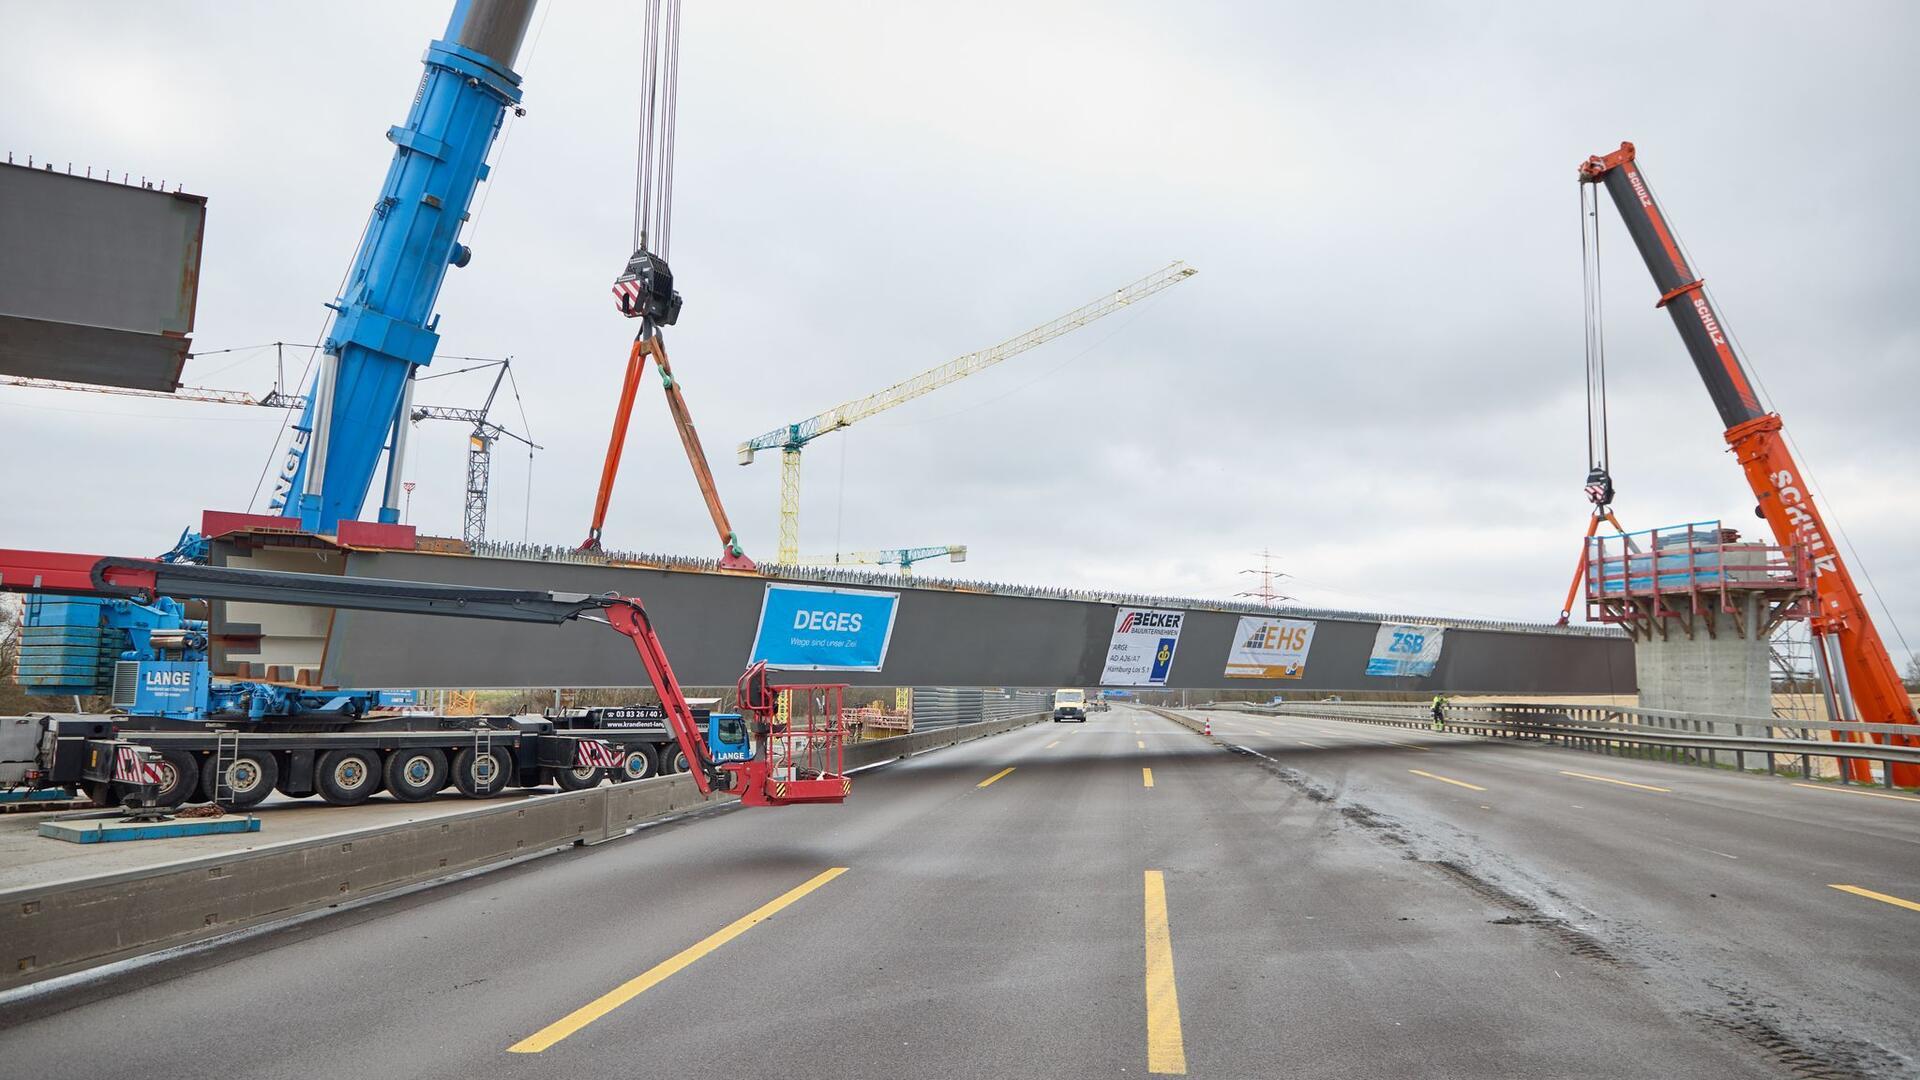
[[642, 761], [673, 762], [479, 777], [179, 777], [579, 779], [347, 777], [416, 775], [250, 778]]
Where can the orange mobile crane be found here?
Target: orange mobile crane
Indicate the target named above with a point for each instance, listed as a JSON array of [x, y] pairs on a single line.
[[1860, 676]]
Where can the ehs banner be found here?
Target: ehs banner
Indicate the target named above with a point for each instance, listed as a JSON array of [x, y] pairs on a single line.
[[1266, 648], [1400, 649], [1141, 650], [814, 628]]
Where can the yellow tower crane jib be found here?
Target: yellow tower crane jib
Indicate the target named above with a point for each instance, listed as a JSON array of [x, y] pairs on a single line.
[[790, 439]]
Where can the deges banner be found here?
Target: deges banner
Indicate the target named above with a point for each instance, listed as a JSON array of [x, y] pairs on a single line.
[[1404, 649], [1266, 648], [815, 628], [1141, 650]]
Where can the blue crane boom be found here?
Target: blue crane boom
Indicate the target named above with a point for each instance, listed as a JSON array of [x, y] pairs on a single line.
[[384, 325]]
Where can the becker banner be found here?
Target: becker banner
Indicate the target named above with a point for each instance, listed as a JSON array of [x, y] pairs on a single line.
[[1266, 648], [1141, 652], [1399, 649]]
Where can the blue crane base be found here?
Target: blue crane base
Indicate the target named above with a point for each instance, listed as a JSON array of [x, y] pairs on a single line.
[[107, 831]]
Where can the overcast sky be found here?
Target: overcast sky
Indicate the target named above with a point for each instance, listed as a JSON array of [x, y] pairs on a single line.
[[1377, 372]]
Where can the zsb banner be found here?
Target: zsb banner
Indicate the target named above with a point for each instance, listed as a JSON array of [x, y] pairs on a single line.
[[1403, 649]]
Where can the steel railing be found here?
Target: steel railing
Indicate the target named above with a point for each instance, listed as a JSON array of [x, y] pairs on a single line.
[[1685, 738]]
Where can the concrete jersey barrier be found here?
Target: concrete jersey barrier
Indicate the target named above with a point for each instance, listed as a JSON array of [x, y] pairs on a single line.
[[64, 927]]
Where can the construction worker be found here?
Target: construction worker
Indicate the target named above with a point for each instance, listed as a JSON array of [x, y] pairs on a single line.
[[1439, 712]]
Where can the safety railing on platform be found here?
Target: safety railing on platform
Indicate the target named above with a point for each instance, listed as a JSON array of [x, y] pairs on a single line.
[[809, 742], [1683, 738], [1697, 571]]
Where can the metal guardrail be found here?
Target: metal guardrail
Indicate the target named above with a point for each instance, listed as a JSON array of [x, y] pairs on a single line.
[[63, 927], [1609, 729], [947, 706]]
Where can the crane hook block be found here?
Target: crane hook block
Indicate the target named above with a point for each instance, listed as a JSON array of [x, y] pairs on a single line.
[[645, 290], [1600, 488]]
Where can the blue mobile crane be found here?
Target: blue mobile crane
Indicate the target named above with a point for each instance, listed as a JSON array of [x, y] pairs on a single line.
[[152, 657], [384, 328]]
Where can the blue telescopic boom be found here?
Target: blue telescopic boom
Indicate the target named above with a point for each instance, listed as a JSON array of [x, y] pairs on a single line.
[[384, 326]]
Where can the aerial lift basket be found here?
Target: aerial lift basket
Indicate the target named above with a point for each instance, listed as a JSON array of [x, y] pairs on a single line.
[[804, 754]]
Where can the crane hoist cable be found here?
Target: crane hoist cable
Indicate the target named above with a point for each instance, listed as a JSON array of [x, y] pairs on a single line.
[[1599, 482], [645, 290]]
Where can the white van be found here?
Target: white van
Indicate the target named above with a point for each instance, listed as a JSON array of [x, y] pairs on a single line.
[[1069, 705]]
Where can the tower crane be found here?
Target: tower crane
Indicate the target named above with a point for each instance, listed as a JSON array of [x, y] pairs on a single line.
[[904, 558], [1853, 661], [793, 438], [479, 449], [479, 442]]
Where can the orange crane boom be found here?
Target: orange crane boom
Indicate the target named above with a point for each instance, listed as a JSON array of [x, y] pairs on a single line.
[[1861, 675]]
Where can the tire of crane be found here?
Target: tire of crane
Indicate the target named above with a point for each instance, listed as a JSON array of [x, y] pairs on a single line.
[[416, 775], [467, 770], [577, 779], [250, 778], [179, 777], [674, 761], [347, 777], [642, 761]]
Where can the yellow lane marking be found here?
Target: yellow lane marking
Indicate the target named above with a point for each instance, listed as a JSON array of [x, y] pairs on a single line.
[[655, 975], [994, 777], [1856, 791], [1611, 780], [1315, 745], [1444, 780], [1141, 743], [1166, 1048], [1053, 744], [1146, 776], [1880, 896], [1410, 746]]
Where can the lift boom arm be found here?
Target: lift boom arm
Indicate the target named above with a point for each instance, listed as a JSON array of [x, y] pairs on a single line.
[[143, 579], [1784, 498]]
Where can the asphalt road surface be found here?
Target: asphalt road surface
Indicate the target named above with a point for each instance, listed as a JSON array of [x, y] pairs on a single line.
[[1113, 899]]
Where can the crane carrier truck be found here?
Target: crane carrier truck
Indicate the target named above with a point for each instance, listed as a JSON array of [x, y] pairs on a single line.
[[346, 755]]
